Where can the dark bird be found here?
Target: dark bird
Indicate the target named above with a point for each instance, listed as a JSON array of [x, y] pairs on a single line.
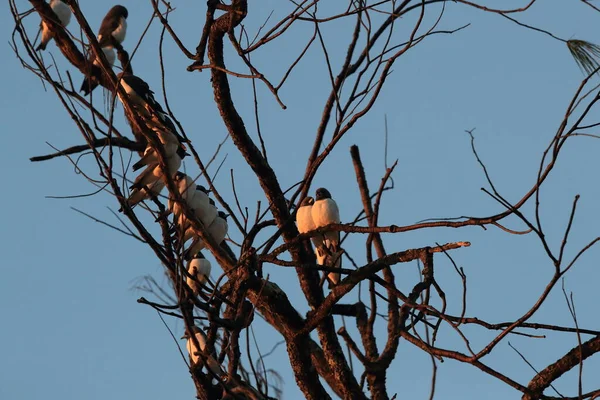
[[142, 97], [113, 28], [111, 34], [63, 12]]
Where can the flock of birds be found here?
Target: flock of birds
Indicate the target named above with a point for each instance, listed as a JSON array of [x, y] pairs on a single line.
[[149, 183]]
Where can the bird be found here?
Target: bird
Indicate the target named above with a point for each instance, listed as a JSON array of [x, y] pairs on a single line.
[[142, 96], [204, 209], [217, 230], [206, 214], [90, 83], [113, 27], [305, 222], [150, 182], [185, 187], [199, 272], [324, 212], [197, 199], [198, 356], [63, 12], [111, 34], [170, 143]]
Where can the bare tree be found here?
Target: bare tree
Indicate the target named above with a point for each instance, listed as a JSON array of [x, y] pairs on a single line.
[[367, 292]]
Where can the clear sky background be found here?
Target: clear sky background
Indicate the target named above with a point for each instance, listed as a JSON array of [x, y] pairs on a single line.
[[71, 326]]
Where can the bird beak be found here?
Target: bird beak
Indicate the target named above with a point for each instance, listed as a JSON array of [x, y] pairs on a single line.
[[184, 336]]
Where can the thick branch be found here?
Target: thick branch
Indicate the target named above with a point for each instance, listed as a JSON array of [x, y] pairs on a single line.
[[555, 370]]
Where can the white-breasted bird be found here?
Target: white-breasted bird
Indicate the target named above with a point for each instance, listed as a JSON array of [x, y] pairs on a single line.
[[113, 27], [217, 230], [186, 187], [305, 222], [199, 270], [198, 356], [170, 143], [204, 210], [110, 35], [63, 12], [197, 199], [150, 182], [324, 212], [90, 83]]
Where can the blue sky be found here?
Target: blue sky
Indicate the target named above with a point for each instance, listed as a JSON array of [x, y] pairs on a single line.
[[72, 326]]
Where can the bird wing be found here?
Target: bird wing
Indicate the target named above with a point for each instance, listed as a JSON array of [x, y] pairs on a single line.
[[304, 219], [108, 25], [149, 157], [149, 175], [332, 211], [207, 214]]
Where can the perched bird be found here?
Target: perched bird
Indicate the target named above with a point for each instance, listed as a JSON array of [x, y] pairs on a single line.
[[305, 222], [324, 212], [199, 356], [111, 34], [150, 182], [90, 83], [204, 207], [113, 27], [170, 144], [197, 199], [63, 12], [204, 210], [142, 96], [199, 270], [137, 90], [185, 186], [217, 230], [207, 215]]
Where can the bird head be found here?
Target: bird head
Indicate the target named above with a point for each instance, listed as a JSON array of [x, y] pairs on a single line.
[[179, 176], [119, 11], [201, 189], [322, 193], [181, 152], [308, 201]]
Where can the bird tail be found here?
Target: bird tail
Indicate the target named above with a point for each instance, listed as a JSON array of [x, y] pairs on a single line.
[[88, 85], [214, 366], [135, 197], [332, 240], [145, 160], [335, 261], [46, 36], [42, 46], [129, 203]]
